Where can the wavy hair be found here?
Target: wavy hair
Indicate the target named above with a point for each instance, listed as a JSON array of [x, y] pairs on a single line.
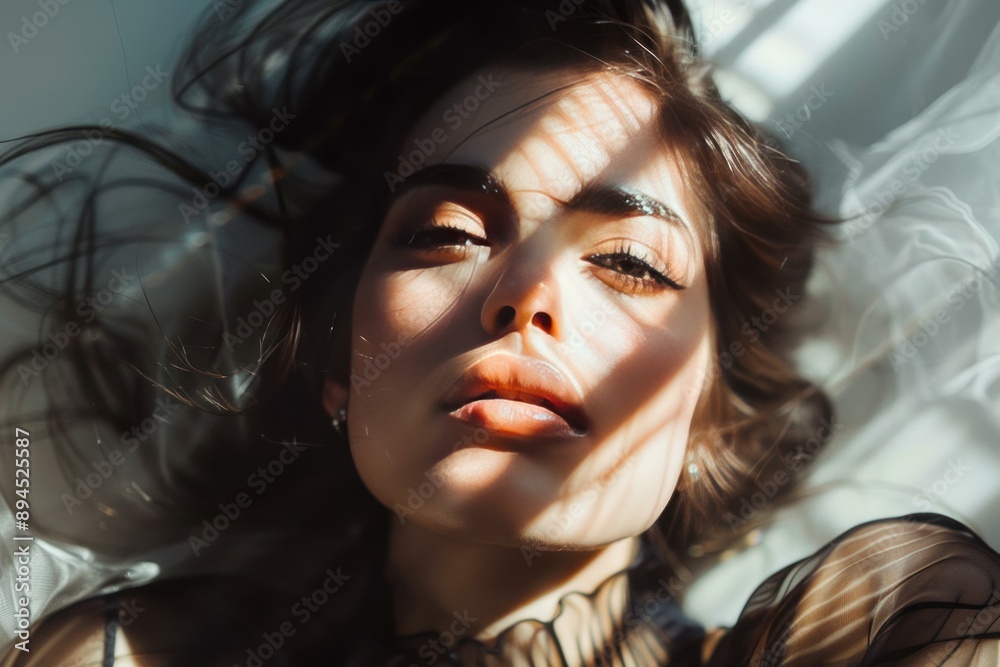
[[350, 78]]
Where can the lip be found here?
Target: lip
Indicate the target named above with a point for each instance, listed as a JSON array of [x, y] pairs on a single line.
[[520, 397]]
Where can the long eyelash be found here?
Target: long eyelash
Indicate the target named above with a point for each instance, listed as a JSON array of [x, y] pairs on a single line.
[[626, 251], [407, 238], [642, 258]]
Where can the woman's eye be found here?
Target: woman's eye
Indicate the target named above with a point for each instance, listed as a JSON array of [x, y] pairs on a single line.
[[634, 272], [438, 236]]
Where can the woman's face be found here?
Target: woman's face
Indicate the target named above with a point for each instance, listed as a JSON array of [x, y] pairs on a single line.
[[527, 355]]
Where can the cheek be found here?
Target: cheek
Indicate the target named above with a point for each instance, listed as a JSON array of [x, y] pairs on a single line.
[[648, 363], [392, 304], [622, 488], [649, 368], [396, 320], [402, 324], [637, 363], [661, 405]]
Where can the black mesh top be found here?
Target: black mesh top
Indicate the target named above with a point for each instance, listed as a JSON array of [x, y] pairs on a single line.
[[917, 590]]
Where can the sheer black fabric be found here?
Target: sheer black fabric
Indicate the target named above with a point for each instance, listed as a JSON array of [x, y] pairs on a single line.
[[916, 590], [919, 590], [594, 628]]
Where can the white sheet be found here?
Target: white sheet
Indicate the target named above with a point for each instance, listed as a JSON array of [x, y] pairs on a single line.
[[908, 335]]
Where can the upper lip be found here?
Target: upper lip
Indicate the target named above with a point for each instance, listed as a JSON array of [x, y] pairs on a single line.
[[523, 379]]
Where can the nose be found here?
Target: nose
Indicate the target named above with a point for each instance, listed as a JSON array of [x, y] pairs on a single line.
[[524, 297]]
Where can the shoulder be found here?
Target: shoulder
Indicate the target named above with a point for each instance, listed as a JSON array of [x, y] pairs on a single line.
[[911, 587], [900, 552], [71, 637], [898, 531], [893, 572], [158, 625]]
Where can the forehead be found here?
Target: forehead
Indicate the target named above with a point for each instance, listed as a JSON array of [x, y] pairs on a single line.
[[547, 134]]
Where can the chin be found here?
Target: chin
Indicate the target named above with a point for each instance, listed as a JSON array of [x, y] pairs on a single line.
[[529, 537], [505, 522], [513, 498]]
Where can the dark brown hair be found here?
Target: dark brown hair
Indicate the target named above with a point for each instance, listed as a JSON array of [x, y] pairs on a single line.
[[353, 96], [755, 413]]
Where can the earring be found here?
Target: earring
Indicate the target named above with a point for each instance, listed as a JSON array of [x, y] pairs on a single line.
[[694, 472], [339, 422]]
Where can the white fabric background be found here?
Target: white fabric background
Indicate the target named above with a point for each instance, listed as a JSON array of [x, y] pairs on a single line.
[[862, 90]]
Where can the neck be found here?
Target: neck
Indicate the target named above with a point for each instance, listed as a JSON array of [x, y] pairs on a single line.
[[477, 590]]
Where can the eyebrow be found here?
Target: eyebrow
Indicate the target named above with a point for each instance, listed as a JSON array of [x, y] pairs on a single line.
[[602, 199], [621, 202]]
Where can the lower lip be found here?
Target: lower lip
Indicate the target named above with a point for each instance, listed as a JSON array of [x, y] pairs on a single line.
[[515, 418]]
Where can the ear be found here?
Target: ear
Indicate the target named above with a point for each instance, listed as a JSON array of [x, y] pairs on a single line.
[[335, 396]]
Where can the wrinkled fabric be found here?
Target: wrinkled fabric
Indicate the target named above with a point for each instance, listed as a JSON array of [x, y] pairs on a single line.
[[903, 312]]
